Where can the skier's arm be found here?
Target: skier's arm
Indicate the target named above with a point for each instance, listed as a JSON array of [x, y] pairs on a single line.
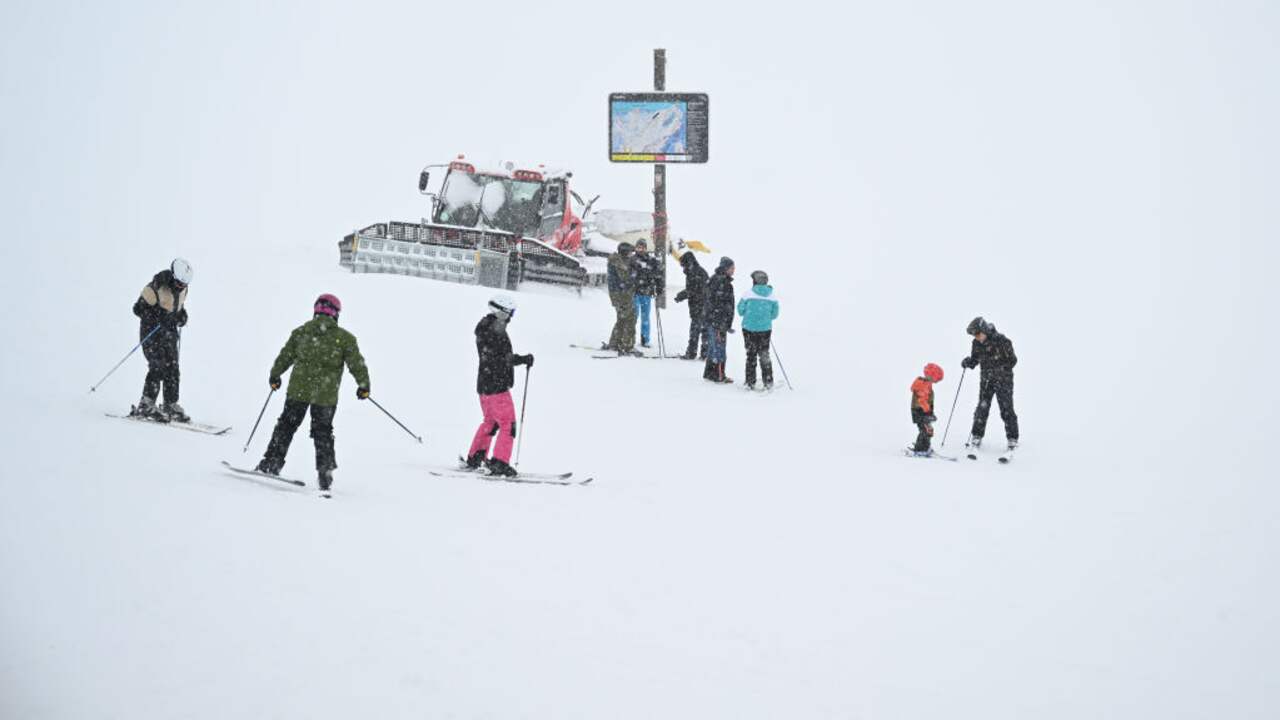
[[287, 356], [742, 307], [1013, 359], [777, 307], [146, 301], [355, 364]]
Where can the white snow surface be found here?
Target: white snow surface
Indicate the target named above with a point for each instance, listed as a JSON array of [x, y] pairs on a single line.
[[1098, 183]]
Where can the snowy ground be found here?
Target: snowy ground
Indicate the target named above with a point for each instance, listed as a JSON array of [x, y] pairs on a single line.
[[1098, 183]]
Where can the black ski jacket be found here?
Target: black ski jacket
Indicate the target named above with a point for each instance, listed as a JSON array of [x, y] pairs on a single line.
[[994, 355], [695, 285], [161, 303], [496, 359], [648, 275], [720, 301]]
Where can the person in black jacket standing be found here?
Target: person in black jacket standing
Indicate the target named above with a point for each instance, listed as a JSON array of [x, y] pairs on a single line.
[[493, 383], [994, 352], [695, 291], [648, 272], [161, 307], [719, 316]]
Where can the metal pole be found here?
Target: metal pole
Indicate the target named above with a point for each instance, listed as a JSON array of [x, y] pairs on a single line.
[[662, 341], [523, 400], [953, 407], [774, 348], [126, 357], [660, 183], [393, 417], [255, 423]]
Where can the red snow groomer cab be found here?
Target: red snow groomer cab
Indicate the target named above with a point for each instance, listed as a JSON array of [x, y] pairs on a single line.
[[493, 227]]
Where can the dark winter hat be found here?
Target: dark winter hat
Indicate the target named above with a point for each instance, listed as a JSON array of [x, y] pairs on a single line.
[[726, 262], [624, 248], [978, 325], [642, 244], [759, 277]]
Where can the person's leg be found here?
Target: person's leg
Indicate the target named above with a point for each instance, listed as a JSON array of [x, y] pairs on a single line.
[[922, 439], [986, 389], [695, 335], [722, 340], [503, 410], [1004, 396], [766, 358], [157, 368], [751, 343], [628, 337], [322, 434], [484, 434], [643, 304], [282, 436], [711, 371]]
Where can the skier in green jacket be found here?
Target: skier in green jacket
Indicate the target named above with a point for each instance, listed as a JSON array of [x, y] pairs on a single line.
[[316, 351]]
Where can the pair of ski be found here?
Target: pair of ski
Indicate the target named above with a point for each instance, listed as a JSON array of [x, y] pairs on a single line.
[[970, 452], [614, 355], [159, 420], [245, 472], [522, 477]]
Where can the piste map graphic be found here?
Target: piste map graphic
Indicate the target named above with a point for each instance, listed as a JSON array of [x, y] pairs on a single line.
[[650, 127]]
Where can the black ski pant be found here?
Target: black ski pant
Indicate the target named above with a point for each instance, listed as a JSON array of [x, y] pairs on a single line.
[[919, 417], [697, 334], [1000, 386], [161, 352], [287, 425], [758, 350]]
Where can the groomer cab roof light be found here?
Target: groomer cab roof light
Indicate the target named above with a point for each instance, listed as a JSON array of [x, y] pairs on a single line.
[[528, 175], [462, 166]]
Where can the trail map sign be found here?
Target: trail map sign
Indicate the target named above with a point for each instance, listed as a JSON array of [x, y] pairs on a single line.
[[658, 127]]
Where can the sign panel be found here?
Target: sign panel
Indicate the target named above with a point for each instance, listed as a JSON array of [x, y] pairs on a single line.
[[658, 127]]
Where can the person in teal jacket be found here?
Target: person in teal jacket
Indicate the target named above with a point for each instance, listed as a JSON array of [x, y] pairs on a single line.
[[758, 308]]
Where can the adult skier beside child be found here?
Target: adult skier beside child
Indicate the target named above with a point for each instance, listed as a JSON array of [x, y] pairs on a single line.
[[758, 308], [622, 292], [317, 351], [161, 310], [994, 353], [494, 380], [719, 320], [695, 291]]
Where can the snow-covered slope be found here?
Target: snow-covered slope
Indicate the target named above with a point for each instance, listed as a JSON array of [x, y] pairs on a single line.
[[737, 555]]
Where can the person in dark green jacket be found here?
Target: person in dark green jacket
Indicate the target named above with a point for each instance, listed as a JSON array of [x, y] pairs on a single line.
[[316, 351]]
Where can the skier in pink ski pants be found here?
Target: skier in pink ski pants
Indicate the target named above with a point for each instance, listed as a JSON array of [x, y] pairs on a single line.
[[494, 381]]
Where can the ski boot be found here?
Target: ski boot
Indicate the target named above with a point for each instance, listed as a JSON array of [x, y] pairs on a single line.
[[475, 462], [266, 467], [499, 468], [325, 480], [146, 409], [173, 412], [1013, 444], [974, 442]]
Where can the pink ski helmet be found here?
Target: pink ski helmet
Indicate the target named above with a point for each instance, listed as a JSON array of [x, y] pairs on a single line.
[[329, 305]]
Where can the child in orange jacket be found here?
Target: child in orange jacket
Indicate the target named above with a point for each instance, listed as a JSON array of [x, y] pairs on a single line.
[[922, 407]]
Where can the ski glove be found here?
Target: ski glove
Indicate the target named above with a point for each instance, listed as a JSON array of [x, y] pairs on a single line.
[[362, 393], [526, 360], [275, 383], [968, 363], [182, 317], [682, 295]]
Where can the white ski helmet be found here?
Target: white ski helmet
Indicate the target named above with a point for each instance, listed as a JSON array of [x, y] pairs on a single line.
[[182, 271], [504, 304]]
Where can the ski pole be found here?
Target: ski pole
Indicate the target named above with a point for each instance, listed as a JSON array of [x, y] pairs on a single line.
[[953, 406], [393, 417], [774, 347], [255, 424], [662, 341], [523, 399], [126, 357]]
